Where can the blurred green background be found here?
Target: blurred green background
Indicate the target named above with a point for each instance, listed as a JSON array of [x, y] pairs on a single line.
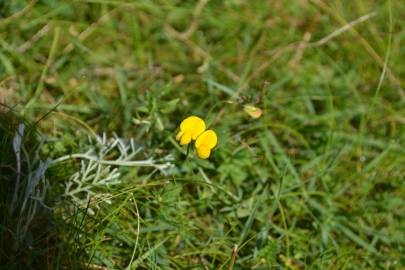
[[314, 182]]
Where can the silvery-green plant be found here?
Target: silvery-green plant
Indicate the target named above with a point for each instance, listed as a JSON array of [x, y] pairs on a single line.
[[29, 188], [98, 172]]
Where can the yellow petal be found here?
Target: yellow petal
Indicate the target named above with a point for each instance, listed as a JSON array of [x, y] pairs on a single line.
[[185, 138], [207, 138], [203, 151], [198, 129], [178, 136], [195, 125]]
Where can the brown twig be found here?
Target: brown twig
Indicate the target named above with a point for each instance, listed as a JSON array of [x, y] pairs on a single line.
[[233, 258], [19, 13]]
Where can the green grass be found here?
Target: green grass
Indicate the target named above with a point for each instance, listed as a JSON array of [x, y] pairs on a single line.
[[316, 182]]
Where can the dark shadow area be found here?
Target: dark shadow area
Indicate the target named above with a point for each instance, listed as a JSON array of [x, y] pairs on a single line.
[[32, 234]]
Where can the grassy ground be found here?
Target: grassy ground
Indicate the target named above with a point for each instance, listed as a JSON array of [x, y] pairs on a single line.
[[315, 182]]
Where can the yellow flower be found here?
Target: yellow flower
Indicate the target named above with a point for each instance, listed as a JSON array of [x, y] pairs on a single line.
[[205, 142], [193, 128], [190, 129]]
